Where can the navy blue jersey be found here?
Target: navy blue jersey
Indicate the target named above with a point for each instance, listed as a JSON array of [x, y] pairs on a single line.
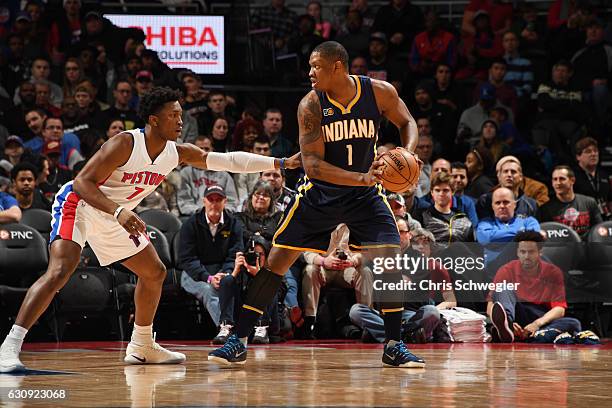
[[350, 133]]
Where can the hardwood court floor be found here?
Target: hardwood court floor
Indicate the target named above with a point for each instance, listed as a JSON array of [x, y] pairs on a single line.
[[321, 373]]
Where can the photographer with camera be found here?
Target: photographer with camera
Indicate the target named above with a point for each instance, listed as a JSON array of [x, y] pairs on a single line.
[[233, 290], [340, 268], [259, 222]]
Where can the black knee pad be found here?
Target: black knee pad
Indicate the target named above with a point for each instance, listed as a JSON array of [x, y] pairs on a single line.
[[261, 290]]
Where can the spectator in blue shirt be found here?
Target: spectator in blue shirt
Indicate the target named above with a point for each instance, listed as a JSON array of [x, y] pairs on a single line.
[[495, 232], [9, 209]]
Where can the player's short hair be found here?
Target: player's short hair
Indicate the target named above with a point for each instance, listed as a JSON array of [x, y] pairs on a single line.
[[23, 166], [529, 235], [121, 81], [458, 165], [215, 92], [40, 111], [272, 110], [202, 138], [441, 178], [262, 139], [585, 143], [499, 61], [564, 63], [570, 172], [153, 101], [48, 118], [333, 51]]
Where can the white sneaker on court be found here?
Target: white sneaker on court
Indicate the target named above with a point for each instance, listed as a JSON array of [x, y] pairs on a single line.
[[9, 358], [151, 354]]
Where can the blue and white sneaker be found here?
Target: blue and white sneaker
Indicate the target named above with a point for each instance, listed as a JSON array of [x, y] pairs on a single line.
[[586, 337], [399, 356], [232, 352], [564, 338]]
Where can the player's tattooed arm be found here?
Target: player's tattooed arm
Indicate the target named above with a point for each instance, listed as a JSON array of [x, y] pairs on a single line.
[[394, 109], [312, 147]]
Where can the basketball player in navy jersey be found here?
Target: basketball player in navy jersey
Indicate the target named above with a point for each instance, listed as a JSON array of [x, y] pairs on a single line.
[[338, 128], [98, 208]]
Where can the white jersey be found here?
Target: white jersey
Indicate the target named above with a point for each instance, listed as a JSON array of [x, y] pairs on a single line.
[[139, 176]]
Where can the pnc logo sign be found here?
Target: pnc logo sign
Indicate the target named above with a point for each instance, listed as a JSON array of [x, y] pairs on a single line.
[[5, 235], [563, 233]]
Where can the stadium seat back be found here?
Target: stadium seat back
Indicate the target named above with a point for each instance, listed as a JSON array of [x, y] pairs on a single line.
[[38, 219], [164, 221], [23, 255], [161, 245]]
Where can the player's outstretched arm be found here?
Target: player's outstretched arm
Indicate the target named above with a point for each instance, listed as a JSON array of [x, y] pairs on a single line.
[[235, 162], [394, 109], [114, 153], [312, 147]]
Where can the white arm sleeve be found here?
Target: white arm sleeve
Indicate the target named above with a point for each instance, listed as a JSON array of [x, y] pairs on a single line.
[[239, 162]]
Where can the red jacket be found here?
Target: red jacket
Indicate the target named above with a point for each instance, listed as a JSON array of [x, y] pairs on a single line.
[[440, 48]]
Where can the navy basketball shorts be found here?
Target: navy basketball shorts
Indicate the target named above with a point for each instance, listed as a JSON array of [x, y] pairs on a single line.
[[318, 208]]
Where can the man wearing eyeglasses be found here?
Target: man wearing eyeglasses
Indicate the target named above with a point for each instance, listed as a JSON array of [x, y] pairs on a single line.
[[122, 94]]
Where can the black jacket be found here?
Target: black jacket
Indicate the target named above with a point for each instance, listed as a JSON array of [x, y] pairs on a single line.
[[266, 226], [201, 254]]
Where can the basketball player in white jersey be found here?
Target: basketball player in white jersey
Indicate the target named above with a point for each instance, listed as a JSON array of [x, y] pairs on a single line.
[[97, 207]]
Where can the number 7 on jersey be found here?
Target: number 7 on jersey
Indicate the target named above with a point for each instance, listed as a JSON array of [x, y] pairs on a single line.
[[135, 193]]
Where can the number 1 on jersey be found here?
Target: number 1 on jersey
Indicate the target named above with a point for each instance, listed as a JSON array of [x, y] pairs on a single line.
[[350, 154], [135, 193]]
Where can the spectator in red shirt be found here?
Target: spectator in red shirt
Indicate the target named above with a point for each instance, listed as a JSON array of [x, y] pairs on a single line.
[[65, 32], [431, 47], [535, 311], [499, 10], [480, 47], [560, 12]]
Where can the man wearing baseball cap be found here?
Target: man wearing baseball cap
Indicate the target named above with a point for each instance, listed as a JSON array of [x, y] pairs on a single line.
[[380, 65], [143, 84], [210, 240], [471, 119]]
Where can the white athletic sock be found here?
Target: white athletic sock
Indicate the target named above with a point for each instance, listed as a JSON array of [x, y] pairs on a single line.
[[16, 336], [142, 334], [244, 340]]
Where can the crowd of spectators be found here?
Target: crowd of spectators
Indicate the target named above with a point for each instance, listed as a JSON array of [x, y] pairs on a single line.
[[513, 111]]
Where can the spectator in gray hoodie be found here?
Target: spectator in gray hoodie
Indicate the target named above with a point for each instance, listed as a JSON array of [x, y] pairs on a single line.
[[194, 182]]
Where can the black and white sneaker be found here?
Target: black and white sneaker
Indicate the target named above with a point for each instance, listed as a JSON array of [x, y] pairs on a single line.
[[500, 320], [261, 335], [225, 330]]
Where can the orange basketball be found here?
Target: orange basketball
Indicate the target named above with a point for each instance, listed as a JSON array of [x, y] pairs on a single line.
[[400, 171]]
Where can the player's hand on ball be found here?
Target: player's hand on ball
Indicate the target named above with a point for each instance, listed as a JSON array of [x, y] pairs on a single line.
[[131, 222], [416, 156], [294, 161], [374, 175]]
